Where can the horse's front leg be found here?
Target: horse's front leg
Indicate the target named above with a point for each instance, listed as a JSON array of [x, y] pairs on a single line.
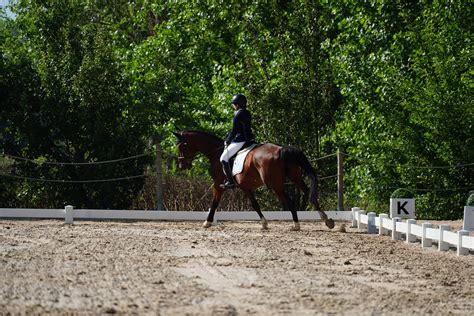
[[251, 196], [216, 198]]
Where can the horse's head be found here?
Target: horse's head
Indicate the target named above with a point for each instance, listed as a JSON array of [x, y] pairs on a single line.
[[186, 152]]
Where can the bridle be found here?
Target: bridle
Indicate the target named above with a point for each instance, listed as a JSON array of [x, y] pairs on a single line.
[[186, 144], [182, 159], [187, 160]]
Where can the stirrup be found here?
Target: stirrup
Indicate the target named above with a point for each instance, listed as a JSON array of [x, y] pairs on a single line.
[[228, 185]]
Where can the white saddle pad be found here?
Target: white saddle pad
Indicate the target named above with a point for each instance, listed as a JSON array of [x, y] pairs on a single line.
[[238, 165]]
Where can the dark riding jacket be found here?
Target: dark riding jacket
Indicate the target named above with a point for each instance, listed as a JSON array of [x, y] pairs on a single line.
[[241, 128]]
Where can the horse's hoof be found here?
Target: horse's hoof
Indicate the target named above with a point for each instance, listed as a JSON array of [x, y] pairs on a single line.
[[330, 223], [296, 227], [207, 224], [264, 225]]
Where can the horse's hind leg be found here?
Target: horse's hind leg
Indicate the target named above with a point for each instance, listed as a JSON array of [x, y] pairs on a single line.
[[276, 183], [288, 206], [328, 221], [296, 177], [256, 207]]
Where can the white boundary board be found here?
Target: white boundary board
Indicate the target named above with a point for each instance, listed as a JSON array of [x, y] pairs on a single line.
[[166, 215]]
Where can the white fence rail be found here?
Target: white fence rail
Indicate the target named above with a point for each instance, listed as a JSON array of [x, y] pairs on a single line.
[[69, 214], [413, 232], [382, 224]]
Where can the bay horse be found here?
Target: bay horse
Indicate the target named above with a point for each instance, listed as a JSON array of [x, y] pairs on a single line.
[[267, 164]]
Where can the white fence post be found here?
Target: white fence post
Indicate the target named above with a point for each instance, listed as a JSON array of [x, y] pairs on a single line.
[[354, 211], [371, 228], [426, 242], [442, 245], [410, 237], [359, 223], [395, 234], [382, 230], [461, 250], [69, 214]]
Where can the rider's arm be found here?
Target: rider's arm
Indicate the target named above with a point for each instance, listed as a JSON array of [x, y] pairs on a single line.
[[236, 127]]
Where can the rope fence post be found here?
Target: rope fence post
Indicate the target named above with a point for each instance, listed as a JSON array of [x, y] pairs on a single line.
[[340, 181], [159, 173]]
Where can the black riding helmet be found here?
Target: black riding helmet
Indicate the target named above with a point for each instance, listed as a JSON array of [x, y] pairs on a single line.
[[240, 100]]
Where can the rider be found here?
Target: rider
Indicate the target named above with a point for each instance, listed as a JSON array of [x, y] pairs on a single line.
[[240, 134]]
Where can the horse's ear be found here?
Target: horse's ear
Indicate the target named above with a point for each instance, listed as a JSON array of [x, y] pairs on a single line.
[[179, 137]]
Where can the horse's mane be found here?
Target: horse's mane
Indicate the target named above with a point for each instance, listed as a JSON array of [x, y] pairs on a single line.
[[207, 134]]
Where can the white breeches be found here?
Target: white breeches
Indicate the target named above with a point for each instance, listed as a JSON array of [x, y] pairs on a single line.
[[231, 150]]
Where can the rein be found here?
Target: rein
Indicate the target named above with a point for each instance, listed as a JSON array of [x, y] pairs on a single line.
[[205, 193], [192, 158]]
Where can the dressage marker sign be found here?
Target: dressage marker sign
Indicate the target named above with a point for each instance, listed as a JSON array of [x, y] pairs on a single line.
[[468, 218], [403, 208]]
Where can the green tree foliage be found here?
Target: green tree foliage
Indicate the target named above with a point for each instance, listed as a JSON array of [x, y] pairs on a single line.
[[404, 71], [66, 101], [388, 81]]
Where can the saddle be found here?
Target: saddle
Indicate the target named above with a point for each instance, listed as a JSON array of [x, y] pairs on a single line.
[[238, 160]]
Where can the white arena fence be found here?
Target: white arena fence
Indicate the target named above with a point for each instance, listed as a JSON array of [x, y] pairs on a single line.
[[382, 224], [69, 214], [410, 232]]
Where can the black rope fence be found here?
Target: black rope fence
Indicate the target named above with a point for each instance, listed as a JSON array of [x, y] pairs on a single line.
[[40, 162], [411, 166], [73, 181], [148, 153], [408, 166]]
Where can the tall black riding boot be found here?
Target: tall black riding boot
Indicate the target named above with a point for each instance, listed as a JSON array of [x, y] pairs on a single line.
[[229, 183]]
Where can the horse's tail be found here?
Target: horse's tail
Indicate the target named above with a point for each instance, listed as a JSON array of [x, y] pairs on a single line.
[[292, 156]]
